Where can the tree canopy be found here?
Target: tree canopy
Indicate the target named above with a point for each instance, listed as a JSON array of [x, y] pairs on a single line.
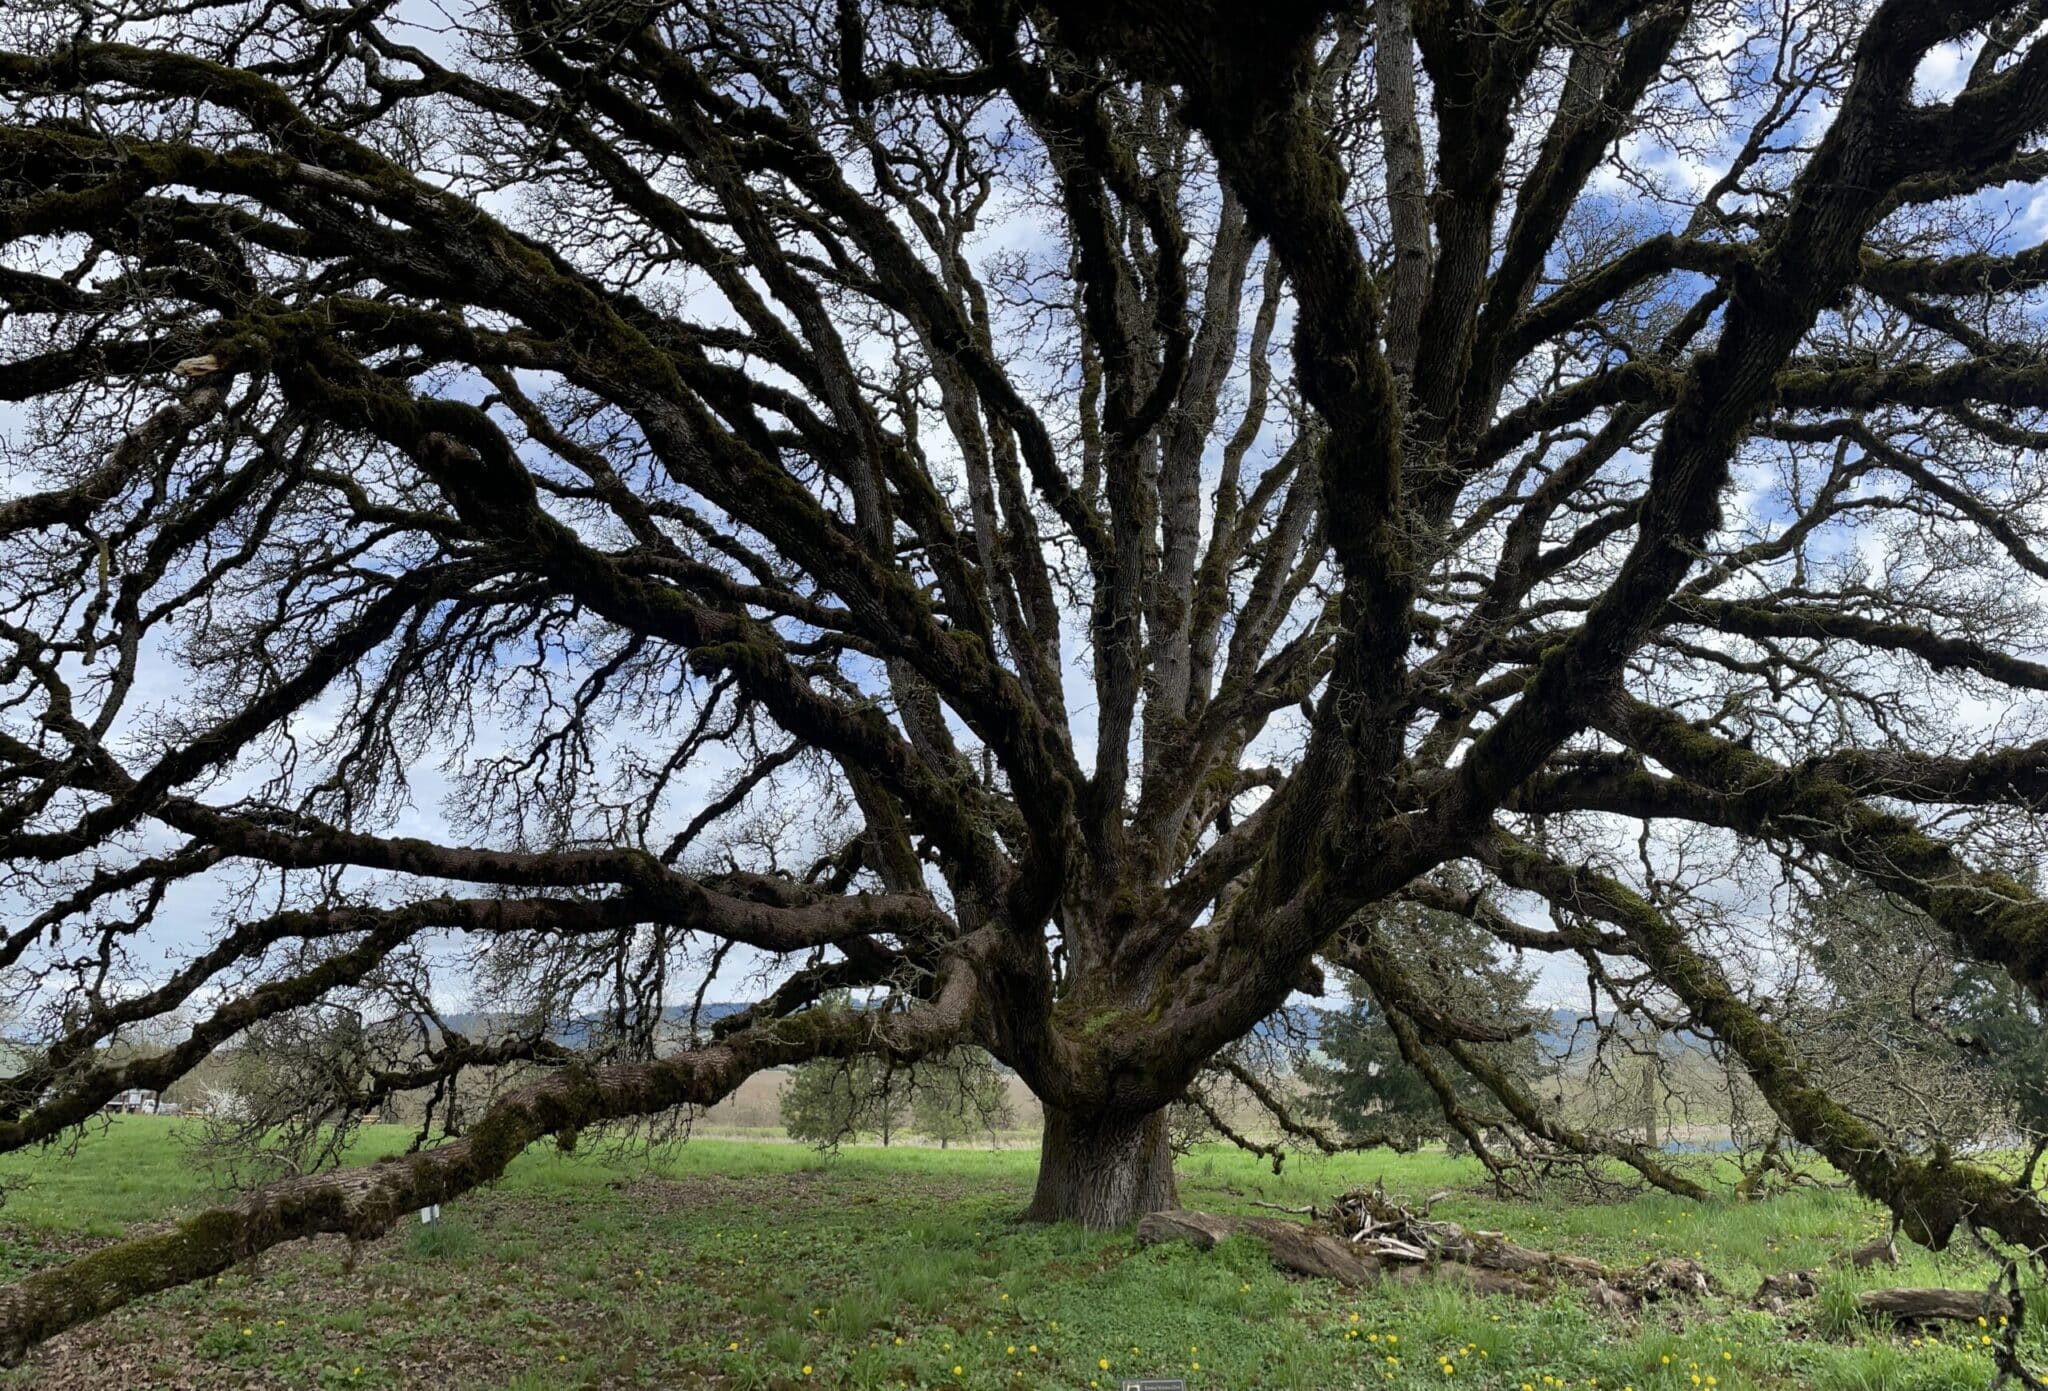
[[1055, 517]]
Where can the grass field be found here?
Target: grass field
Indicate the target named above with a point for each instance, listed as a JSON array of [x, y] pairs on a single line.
[[729, 1264]]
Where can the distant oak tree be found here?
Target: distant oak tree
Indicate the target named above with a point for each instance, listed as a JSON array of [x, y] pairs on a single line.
[[829, 1101], [960, 1095], [1055, 516]]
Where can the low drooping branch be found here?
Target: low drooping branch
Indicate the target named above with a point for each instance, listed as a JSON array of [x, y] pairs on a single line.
[[363, 1202], [1283, 1115], [1931, 1197], [1995, 918], [1398, 993]]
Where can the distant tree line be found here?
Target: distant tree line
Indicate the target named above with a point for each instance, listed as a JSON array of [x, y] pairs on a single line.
[[953, 1097]]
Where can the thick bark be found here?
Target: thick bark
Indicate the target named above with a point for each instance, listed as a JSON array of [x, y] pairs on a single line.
[[1102, 1171]]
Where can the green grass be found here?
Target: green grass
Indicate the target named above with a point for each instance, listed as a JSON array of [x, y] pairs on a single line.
[[738, 1265]]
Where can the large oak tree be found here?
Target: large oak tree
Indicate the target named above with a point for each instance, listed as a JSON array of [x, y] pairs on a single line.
[[1136, 491]]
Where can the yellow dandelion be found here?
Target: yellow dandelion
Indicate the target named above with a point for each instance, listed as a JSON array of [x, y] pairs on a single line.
[[1102, 1363], [807, 1369], [956, 1369], [246, 1332]]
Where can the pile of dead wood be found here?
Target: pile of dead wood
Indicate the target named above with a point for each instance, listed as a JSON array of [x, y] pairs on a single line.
[[1366, 1236]]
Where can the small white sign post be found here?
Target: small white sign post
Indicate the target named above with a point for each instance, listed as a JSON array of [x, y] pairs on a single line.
[[430, 1213]]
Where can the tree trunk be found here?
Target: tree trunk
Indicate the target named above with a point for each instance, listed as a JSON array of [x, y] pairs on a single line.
[[1102, 1171]]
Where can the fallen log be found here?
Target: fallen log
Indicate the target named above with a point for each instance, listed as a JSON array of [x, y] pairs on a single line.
[[1911, 1306], [1293, 1245], [1905, 1306]]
